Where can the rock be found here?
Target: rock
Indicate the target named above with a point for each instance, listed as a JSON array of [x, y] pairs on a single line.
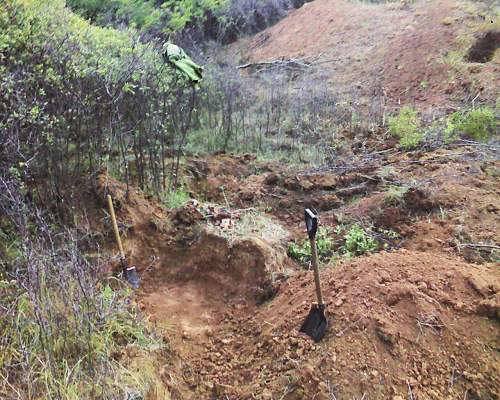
[[187, 215], [247, 195], [386, 331], [384, 276], [323, 181], [397, 292], [482, 286]]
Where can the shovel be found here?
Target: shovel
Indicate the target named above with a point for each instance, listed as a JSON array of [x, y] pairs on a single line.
[[129, 273], [315, 324]]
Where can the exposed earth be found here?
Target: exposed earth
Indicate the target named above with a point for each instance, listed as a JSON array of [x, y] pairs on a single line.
[[418, 318], [391, 53]]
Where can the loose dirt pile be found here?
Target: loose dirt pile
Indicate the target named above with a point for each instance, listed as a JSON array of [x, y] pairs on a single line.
[[398, 321]]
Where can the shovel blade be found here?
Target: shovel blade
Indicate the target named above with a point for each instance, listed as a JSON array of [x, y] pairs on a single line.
[[132, 277], [315, 324]]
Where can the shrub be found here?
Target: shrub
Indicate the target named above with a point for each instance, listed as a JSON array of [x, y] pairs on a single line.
[[302, 252], [406, 127], [61, 325], [479, 124], [395, 194], [358, 241]]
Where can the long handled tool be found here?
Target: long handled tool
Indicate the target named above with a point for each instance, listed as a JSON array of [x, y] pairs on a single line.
[[315, 324], [129, 273]]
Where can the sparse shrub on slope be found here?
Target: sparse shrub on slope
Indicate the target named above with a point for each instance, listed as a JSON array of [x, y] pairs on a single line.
[[406, 126]]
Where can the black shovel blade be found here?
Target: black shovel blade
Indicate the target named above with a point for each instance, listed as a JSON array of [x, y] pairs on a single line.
[[315, 324], [132, 277]]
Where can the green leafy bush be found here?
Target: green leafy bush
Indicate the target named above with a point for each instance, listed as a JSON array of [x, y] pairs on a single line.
[[479, 124], [406, 127], [302, 252], [358, 241], [138, 13]]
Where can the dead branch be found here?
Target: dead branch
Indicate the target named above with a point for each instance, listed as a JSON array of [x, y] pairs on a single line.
[[351, 191], [288, 64], [479, 246]]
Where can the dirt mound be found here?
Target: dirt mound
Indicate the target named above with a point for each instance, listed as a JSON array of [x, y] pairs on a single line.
[[400, 322]]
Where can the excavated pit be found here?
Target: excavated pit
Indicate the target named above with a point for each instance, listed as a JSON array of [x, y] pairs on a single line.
[[483, 50], [192, 287]]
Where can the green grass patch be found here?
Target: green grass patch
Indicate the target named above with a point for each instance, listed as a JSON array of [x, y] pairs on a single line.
[[302, 251], [406, 126], [479, 124]]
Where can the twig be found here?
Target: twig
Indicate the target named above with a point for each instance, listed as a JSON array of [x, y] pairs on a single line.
[[479, 246], [410, 393]]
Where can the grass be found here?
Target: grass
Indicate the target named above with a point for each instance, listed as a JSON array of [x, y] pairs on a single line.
[[176, 198], [479, 124], [65, 354], [253, 224], [63, 327], [406, 126], [395, 194]]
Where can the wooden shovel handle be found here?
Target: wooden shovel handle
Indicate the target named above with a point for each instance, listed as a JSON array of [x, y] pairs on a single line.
[[314, 262], [115, 227]]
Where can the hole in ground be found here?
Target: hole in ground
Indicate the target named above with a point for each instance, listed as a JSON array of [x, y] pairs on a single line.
[[483, 50]]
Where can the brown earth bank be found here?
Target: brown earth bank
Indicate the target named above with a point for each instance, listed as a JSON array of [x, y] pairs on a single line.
[[418, 320], [362, 50]]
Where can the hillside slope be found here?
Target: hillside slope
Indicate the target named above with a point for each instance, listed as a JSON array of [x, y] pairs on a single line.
[[402, 53]]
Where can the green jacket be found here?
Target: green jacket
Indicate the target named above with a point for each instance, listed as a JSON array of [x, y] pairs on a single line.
[[180, 60]]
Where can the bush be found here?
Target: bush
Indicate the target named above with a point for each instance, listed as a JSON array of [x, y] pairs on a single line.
[[479, 124], [138, 13], [358, 241], [395, 194], [406, 127], [302, 252]]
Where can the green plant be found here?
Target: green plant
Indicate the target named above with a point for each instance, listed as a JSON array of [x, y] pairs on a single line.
[[395, 194], [176, 198], [302, 252], [358, 241], [479, 124], [406, 127]]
